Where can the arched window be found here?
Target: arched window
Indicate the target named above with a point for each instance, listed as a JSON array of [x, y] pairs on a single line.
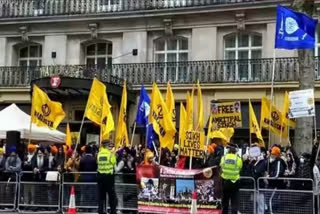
[[171, 49], [99, 53], [243, 47], [30, 55]]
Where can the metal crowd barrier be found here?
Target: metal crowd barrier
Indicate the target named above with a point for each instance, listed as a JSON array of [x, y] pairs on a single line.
[[37, 194], [85, 187], [264, 196], [285, 196], [8, 190]]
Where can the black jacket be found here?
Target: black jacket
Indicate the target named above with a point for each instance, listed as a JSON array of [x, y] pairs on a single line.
[[43, 169], [276, 170]]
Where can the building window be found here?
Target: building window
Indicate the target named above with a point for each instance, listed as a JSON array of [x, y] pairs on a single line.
[[171, 50], [99, 54], [243, 47], [30, 55]]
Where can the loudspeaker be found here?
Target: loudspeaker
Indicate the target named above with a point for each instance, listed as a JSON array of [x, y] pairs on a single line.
[[13, 139]]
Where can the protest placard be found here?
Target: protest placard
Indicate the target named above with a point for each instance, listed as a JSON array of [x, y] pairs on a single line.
[[301, 103], [192, 144], [226, 115]]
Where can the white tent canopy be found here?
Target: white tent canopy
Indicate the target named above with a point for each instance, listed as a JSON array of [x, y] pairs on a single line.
[[13, 118]]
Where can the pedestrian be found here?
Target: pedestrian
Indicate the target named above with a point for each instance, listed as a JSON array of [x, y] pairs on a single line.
[[231, 165], [106, 163]]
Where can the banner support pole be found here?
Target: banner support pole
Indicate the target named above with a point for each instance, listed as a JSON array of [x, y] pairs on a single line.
[[190, 162], [133, 132], [79, 135]]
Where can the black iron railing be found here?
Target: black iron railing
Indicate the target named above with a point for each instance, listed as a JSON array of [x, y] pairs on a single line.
[[32, 8], [219, 71]]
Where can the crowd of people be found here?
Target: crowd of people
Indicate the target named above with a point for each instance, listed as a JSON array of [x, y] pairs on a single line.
[[37, 160]]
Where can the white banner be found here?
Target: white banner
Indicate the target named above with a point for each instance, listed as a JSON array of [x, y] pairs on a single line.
[[301, 103]]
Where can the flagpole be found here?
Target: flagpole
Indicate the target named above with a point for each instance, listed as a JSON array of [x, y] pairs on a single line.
[[133, 132], [250, 137], [315, 130], [272, 91], [190, 162], [30, 125], [79, 135]]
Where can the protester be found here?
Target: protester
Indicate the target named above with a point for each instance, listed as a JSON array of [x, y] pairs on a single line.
[[51, 158], [2, 164], [88, 163], [40, 165], [60, 159], [29, 190], [13, 162]]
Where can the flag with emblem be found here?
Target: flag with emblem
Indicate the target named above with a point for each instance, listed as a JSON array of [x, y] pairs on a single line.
[[161, 119], [95, 102], [45, 112], [122, 138], [107, 123], [171, 107], [254, 126], [271, 119], [294, 30], [182, 121]]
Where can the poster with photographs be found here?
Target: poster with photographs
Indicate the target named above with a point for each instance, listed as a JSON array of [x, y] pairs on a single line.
[[169, 190]]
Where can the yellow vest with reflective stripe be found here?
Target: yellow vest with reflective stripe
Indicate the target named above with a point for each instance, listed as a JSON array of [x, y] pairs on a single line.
[[106, 161], [231, 165]]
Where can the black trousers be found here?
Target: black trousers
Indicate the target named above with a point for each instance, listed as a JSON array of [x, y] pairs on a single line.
[[106, 185], [230, 192]]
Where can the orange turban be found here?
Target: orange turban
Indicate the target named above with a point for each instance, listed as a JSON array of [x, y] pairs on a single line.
[[54, 150], [210, 149], [83, 149], [275, 151], [31, 148]]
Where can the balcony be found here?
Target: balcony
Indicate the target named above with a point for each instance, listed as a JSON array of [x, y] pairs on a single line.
[[220, 71], [45, 8]]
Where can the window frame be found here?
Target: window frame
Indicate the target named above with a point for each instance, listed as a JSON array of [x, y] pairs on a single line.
[[96, 56], [165, 51], [29, 58]]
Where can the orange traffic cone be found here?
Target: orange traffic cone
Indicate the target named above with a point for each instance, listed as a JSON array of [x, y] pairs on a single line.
[[72, 202], [193, 209]]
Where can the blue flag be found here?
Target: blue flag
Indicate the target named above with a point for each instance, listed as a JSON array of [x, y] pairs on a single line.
[[143, 108], [150, 136], [143, 115], [294, 30]]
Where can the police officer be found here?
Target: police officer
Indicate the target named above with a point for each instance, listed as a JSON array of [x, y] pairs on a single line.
[[106, 162], [231, 165]]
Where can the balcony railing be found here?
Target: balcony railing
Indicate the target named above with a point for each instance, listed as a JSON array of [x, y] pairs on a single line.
[[221, 71], [32, 8]]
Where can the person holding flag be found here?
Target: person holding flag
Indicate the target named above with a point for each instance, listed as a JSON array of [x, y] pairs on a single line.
[[142, 116]]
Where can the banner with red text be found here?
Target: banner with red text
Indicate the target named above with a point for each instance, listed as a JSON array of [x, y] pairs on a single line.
[[169, 190]]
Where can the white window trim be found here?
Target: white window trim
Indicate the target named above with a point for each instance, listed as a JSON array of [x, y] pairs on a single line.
[[28, 58], [166, 51], [237, 49], [96, 55]]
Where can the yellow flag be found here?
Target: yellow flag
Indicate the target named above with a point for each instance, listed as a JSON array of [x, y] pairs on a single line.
[[107, 123], [286, 120], [171, 103], [276, 125], [200, 108], [95, 101], [161, 119], [122, 138], [45, 112], [190, 110], [254, 126], [225, 134], [183, 121], [68, 136]]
